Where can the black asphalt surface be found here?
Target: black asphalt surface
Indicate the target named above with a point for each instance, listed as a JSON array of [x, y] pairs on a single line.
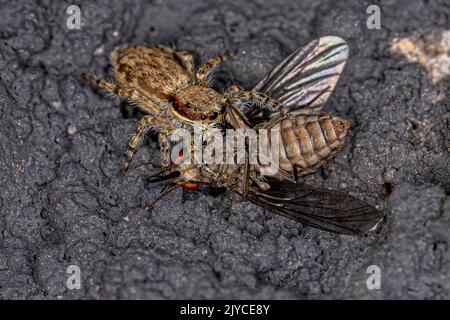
[[64, 199]]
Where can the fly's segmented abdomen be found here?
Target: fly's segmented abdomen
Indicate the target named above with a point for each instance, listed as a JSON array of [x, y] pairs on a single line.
[[307, 141]]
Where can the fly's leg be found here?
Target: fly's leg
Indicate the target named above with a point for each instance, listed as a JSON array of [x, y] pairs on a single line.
[[259, 180], [168, 188], [246, 175], [235, 93], [185, 57], [148, 105], [144, 123], [202, 72], [162, 175]]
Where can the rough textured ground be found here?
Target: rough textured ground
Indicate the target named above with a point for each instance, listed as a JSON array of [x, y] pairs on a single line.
[[64, 196]]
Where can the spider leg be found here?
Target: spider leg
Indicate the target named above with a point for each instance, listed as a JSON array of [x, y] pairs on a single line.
[[165, 148], [108, 86], [188, 61], [144, 123], [202, 72], [235, 93]]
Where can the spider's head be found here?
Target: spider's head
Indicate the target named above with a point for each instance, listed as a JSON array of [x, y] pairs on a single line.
[[199, 104]]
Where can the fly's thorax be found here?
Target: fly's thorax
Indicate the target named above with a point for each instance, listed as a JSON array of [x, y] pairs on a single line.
[[191, 176], [189, 173], [199, 104], [308, 140]]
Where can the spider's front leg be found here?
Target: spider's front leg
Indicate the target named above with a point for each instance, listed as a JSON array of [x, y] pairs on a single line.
[[236, 93], [164, 142], [145, 123], [202, 72]]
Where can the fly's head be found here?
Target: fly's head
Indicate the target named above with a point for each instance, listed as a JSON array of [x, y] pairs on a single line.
[[187, 176], [199, 104]]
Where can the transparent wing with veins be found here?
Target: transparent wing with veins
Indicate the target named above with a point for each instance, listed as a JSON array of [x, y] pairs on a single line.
[[304, 80]]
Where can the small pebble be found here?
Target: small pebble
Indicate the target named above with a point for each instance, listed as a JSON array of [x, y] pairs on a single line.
[[99, 51], [71, 130]]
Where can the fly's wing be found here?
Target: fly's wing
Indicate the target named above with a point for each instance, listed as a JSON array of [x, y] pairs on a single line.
[[236, 118], [321, 208], [306, 78]]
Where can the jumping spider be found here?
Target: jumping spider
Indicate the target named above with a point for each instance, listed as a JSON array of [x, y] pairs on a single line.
[[165, 84]]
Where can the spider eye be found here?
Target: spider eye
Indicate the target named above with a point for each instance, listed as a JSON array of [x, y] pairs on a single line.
[[203, 116], [188, 105], [213, 115]]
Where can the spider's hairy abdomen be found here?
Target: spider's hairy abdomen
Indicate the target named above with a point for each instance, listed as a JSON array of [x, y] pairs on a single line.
[[151, 72]]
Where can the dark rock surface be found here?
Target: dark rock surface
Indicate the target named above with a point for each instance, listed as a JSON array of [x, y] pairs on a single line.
[[64, 197]]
